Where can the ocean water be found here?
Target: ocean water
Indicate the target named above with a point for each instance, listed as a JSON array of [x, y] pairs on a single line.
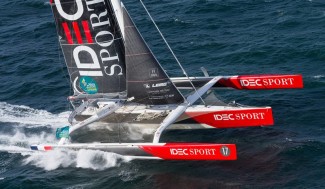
[[228, 37]]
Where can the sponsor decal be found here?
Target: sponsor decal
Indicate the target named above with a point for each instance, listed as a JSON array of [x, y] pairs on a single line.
[[257, 82], [235, 118], [160, 84], [146, 85], [225, 151], [153, 72], [192, 151], [239, 116], [62, 132], [88, 85], [169, 95], [266, 82], [88, 31], [188, 151]]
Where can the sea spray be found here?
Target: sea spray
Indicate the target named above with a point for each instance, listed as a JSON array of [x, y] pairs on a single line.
[[51, 160], [87, 159], [98, 160], [18, 141]]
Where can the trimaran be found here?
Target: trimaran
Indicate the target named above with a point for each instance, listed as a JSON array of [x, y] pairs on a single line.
[[116, 78]]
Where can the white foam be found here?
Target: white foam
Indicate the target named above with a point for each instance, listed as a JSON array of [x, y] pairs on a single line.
[[29, 117], [318, 76], [19, 139], [98, 160], [51, 160], [20, 142], [87, 159]]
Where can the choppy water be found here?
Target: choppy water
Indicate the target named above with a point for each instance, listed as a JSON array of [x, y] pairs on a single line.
[[228, 38]]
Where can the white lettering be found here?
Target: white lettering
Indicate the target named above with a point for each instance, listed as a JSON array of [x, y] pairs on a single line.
[[160, 84], [250, 82], [87, 65], [284, 81], [239, 116], [179, 151], [108, 57], [93, 2], [105, 43], [98, 19], [291, 80], [224, 117], [201, 151], [278, 81], [266, 82], [75, 16], [112, 69]]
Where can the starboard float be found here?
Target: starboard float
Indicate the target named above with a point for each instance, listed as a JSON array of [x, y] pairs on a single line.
[[114, 75]]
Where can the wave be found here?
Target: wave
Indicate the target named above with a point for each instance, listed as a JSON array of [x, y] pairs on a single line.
[[24, 115], [318, 76], [51, 160], [87, 159], [19, 141]]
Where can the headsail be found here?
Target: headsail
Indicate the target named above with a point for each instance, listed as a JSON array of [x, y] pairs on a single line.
[[92, 45], [147, 82]]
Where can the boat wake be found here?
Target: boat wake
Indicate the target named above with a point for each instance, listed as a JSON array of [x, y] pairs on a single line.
[[29, 117], [87, 159], [318, 76], [20, 119]]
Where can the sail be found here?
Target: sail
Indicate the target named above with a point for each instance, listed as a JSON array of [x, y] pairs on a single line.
[[92, 45], [147, 82]]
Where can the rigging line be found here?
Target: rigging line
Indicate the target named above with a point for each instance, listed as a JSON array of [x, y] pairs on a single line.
[[170, 49]]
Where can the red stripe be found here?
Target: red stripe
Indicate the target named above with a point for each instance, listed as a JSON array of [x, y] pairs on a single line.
[[77, 32], [188, 151], [235, 118], [47, 148], [67, 32], [262, 82], [85, 25], [51, 1]]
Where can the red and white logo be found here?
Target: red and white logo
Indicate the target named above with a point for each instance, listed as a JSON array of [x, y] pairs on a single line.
[[239, 116], [194, 151], [83, 30], [264, 82], [235, 118], [188, 151], [180, 152]]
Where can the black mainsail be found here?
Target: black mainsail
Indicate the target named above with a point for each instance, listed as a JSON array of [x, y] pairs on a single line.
[[147, 82], [92, 45], [105, 53]]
